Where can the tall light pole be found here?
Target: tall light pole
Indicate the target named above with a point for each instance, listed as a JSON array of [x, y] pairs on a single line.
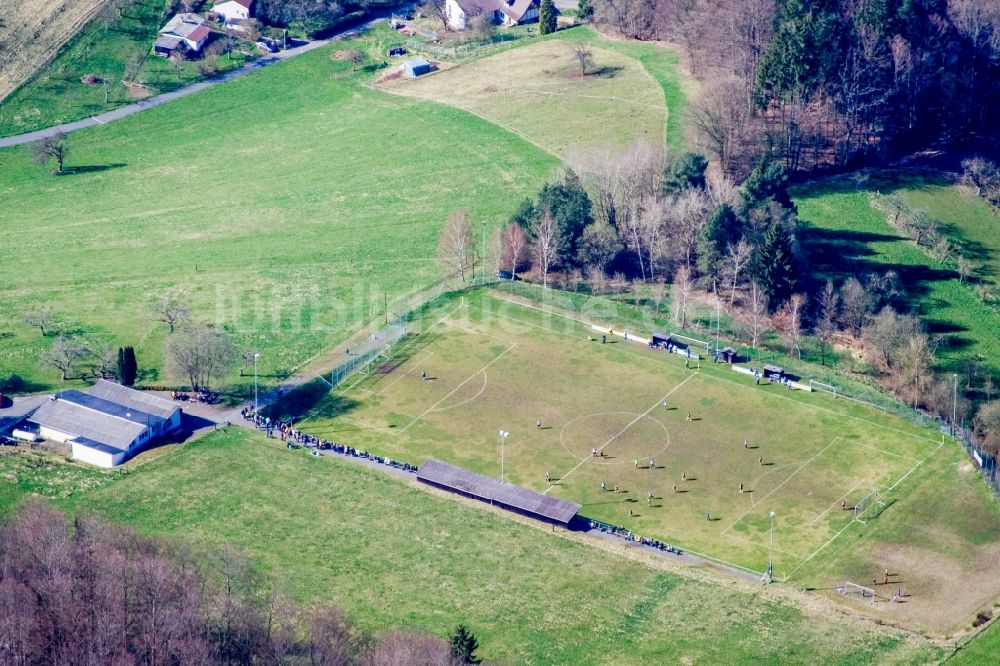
[[484, 252], [954, 404], [503, 440], [770, 552], [255, 402]]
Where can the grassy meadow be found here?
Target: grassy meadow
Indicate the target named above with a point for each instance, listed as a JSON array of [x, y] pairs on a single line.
[[281, 205], [391, 553], [807, 453], [537, 92], [284, 206], [845, 236]]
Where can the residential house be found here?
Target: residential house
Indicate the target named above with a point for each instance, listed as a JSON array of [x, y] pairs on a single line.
[[183, 33], [233, 11], [501, 12]]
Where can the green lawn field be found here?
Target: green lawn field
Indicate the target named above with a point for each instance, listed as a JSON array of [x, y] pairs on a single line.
[[282, 205], [981, 651], [495, 365], [846, 236], [391, 553]]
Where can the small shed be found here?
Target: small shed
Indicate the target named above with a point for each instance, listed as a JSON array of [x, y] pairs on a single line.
[[659, 341], [774, 373], [414, 67], [728, 355]]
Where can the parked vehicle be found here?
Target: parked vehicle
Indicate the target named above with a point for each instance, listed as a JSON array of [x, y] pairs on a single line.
[[397, 51]]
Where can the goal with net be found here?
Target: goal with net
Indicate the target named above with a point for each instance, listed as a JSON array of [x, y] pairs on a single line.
[[869, 506], [849, 589]]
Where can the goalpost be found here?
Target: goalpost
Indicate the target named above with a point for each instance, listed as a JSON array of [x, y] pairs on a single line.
[[850, 589], [820, 386], [706, 345], [868, 507]]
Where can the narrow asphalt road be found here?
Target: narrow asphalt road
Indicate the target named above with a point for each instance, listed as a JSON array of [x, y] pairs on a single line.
[[128, 110]]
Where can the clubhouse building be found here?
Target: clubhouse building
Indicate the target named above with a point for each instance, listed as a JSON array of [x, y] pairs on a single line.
[[106, 425]]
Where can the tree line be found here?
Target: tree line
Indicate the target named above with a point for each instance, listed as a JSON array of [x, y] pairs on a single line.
[[97, 593], [829, 83], [640, 221]]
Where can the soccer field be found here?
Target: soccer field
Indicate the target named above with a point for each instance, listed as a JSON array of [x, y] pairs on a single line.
[[494, 365]]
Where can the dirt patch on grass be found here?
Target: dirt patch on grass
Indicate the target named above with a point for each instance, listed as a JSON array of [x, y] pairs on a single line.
[[940, 593], [137, 92]]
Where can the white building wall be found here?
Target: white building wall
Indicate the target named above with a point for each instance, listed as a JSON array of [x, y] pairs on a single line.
[[456, 17], [95, 457], [53, 435], [232, 11]]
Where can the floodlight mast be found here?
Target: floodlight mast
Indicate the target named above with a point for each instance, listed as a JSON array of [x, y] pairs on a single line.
[[256, 404], [770, 554], [503, 440]]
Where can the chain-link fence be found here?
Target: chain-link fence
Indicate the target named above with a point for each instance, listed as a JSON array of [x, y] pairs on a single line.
[[986, 463]]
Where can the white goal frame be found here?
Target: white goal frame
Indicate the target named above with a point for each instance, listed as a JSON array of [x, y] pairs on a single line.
[[863, 507]]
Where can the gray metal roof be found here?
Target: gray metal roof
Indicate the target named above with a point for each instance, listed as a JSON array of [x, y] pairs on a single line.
[[75, 419], [135, 400], [485, 488], [415, 62], [109, 408]]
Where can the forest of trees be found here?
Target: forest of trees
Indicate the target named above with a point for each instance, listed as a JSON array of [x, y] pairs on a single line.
[[630, 222], [820, 84], [97, 594]]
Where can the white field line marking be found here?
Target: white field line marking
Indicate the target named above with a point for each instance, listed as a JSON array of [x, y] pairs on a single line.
[[828, 542], [413, 342], [722, 378], [426, 354], [830, 411], [882, 452], [836, 503], [474, 331], [452, 392], [914, 468], [758, 544], [756, 482], [623, 430], [468, 400], [890, 488], [787, 479]]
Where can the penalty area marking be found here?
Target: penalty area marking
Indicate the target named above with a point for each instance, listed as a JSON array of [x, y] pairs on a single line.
[[452, 392], [892, 487], [486, 379], [787, 479]]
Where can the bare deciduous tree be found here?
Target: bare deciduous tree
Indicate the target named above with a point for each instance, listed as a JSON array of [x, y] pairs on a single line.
[[719, 115], [437, 9], [515, 241], [754, 315], [200, 353], [682, 292], [827, 317], [456, 248], [42, 320], [856, 306], [735, 264], [547, 246], [170, 309], [52, 148], [790, 318], [65, 355], [584, 57]]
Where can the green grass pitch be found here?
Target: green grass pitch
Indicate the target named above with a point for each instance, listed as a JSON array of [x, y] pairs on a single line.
[[492, 365]]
